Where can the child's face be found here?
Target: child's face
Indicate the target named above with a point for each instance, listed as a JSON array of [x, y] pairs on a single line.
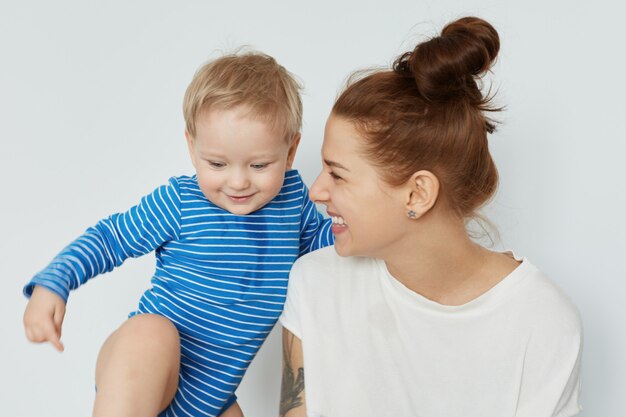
[[240, 161]]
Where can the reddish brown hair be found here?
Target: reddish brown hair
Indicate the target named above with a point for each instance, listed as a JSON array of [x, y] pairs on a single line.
[[428, 113]]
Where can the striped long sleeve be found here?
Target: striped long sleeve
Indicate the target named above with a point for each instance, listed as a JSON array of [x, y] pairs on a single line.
[[138, 231]]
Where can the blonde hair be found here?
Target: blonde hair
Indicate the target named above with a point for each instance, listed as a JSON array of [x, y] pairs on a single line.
[[250, 79]]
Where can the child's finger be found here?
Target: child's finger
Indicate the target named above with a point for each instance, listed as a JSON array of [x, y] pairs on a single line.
[[54, 339], [59, 315], [47, 333]]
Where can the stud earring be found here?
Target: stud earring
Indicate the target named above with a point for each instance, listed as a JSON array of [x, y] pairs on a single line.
[[411, 214]]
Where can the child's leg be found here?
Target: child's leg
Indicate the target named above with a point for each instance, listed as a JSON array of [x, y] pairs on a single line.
[[137, 369], [233, 411]]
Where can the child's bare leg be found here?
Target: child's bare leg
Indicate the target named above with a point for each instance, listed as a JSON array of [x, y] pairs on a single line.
[[137, 368], [233, 411]]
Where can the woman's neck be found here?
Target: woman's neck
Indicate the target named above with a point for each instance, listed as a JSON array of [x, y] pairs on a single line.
[[439, 261]]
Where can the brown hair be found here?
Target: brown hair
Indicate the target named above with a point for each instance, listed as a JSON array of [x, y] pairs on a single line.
[[250, 79], [428, 112]]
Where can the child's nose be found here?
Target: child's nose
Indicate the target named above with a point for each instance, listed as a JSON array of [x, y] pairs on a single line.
[[239, 180]]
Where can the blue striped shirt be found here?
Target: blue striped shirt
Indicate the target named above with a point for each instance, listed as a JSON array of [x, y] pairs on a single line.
[[220, 278]]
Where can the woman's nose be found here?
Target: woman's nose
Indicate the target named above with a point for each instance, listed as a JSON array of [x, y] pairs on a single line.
[[319, 190]]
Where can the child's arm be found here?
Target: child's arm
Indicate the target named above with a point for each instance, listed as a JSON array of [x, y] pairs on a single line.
[[111, 241], [315, 231], [155, 220]]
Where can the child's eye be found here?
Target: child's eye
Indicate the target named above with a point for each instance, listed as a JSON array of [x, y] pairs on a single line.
[[259, 166], [216, 164]]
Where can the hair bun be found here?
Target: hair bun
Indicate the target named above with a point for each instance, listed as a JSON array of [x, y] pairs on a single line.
[[446, 67]]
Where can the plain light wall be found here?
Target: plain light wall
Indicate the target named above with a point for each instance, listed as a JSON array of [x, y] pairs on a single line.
[[90, 120]]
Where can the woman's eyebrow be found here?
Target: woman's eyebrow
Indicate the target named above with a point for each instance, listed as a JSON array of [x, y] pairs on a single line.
[[335, 164]]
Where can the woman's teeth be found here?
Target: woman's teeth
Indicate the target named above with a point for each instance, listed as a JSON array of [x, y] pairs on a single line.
[[339, 221]]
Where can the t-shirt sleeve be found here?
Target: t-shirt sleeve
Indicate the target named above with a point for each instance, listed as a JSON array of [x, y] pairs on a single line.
[[551, 377], [291, 317]]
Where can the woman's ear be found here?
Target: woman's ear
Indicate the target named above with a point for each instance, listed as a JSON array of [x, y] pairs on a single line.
[[422, 193]]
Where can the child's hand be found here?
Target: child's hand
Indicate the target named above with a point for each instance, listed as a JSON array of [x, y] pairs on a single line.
[[43, 317]]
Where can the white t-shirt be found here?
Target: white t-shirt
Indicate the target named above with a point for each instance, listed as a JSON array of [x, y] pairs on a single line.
[[372, 347]]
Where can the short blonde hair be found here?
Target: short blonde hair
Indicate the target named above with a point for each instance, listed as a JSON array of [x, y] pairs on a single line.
[[250, 79]]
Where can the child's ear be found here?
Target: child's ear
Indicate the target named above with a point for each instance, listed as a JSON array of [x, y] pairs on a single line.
[[422, 191], [192, 154], [292, 150]]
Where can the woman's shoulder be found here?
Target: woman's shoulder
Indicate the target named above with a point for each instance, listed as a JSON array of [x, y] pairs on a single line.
[[328, 258], [546, 303], [325, 265]]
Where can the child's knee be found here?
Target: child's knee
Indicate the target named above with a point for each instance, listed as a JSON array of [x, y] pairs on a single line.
[[151, 326]]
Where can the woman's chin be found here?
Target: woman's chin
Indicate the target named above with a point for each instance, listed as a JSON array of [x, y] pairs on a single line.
[[343, 249]]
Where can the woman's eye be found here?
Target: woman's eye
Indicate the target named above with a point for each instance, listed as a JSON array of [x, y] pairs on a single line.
[[334, 176]]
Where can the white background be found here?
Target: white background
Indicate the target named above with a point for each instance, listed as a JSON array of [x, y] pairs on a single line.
[[90, 120]]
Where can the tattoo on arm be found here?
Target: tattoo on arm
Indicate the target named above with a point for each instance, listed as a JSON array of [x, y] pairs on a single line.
[[292, 385]]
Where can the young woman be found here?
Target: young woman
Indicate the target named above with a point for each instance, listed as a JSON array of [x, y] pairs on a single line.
[[413, 318]]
